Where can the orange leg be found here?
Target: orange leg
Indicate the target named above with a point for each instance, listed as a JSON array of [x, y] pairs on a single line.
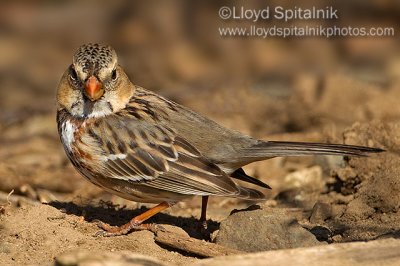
[[135, 224]]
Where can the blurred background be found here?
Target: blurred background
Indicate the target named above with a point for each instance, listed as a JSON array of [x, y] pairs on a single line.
[[308, 89]]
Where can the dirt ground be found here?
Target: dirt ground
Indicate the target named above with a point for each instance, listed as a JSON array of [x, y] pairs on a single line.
[[342, 91]]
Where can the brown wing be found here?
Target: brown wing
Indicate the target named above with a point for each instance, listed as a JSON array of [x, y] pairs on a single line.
[[154, 155]]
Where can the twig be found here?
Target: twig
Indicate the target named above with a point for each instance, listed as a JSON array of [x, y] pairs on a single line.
[[8, 197], [16, 199], [193, 245], [3, 206]]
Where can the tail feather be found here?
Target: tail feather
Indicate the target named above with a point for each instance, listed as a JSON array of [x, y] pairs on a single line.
[[250, 194], [269, 149], [241, 175]]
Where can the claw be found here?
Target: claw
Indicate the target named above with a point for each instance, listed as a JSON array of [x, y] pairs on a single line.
[[156, 228], [100, 233], [103, 226]]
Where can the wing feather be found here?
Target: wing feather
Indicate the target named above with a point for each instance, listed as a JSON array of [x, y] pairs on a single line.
[[156, 156]]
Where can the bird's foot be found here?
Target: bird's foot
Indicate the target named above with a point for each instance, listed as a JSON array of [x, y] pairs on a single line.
[[135, 224], [202, 229], [202, 225], [108, 230]]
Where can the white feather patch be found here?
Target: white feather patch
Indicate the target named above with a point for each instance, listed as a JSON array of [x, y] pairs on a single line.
[[99, 113], [113, 157], [131, 177], [67, 134]]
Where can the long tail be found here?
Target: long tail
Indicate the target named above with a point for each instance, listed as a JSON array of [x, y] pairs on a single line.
[[268, 149]]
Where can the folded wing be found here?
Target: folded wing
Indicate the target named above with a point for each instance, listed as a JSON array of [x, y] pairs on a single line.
[[156, 156]]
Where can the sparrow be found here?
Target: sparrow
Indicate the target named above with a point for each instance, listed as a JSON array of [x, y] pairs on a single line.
[[143, 147]]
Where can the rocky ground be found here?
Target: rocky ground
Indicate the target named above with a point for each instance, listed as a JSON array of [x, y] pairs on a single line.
[[328, 91]]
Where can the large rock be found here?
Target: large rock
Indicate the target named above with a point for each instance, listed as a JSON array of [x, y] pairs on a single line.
[[379, 252], [265, 229]]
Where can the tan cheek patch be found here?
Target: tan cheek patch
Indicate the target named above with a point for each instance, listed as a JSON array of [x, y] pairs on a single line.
[[120, 98], [66, 96]]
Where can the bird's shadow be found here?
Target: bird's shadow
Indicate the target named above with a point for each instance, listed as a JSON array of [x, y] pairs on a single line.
[[116, 216]]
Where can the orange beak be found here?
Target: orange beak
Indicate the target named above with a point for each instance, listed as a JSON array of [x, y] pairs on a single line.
[[93, 88]]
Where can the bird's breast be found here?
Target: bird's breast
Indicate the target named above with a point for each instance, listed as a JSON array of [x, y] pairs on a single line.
[[67, 132], [71, 131]]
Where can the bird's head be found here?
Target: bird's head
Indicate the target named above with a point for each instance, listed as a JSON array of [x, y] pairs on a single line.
[[94, 85]]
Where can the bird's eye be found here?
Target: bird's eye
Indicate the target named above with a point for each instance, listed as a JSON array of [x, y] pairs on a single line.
[[72, 75], [114, 74]]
